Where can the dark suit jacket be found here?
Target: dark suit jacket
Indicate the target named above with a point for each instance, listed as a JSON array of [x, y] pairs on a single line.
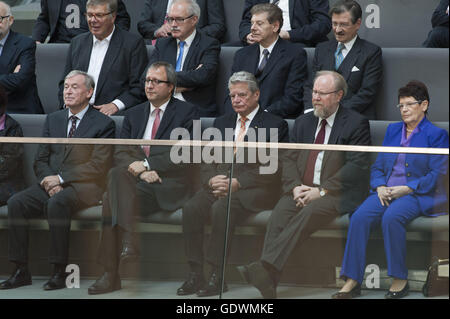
[[204, 50], [11, 159], [258, 191], [439, 17], [211, 22], [83, 167], [47, 20], [363, 85], [309, 19], [344, 174], [281, 82], [175, 177], [425, 174], [21, 87], [124, 62]]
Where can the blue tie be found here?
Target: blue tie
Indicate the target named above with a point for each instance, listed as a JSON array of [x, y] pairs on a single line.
[[180, 56], [339, 57]]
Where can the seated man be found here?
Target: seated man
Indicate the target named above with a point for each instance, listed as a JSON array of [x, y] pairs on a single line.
[[305, 21], [71, 177], [318, 186], [113, 57], [65, 19], [17, 67], [194, 55], [357, 60], [438, 36], [279, 65], [144, 179], [252, 191], [153, 24]]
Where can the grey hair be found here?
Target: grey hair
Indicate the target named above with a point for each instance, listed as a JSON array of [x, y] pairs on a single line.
[[244, 77], [7, 7], [339, 82], [112, 4], [193, 7], [88, 80]]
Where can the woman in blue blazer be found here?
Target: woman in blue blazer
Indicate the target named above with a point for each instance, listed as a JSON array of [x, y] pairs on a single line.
[[403, 187]]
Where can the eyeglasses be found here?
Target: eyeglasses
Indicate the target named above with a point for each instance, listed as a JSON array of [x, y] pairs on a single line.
[[341, 25], [3, 17], [97, 16], [155, 81], [407, 105], [178, 20], [322, 94]]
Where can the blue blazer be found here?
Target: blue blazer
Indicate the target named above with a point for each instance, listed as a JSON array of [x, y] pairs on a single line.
[[424, 173]]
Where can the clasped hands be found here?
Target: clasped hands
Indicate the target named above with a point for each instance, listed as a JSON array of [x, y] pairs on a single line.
[[220, 184], [387, 194], [51, 184], [138, 169], [303, 195]]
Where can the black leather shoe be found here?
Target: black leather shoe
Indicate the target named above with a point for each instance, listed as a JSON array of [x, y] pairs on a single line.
[[398, 294], [212, 287], [18, 279], [256, 275], [107, 283], [355, 292], [57, 281], [193, 284]]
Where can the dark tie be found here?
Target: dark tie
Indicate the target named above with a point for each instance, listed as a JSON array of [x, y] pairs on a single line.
[[263, 63], [339, 57], [73, 127], [180, 56], [155, 127], [308, 176]]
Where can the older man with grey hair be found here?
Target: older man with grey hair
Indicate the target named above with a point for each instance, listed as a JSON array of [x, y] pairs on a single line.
[[251, 191]]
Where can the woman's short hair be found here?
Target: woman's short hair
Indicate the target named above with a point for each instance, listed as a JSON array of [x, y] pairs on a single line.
[[415, 89], [3, 100]]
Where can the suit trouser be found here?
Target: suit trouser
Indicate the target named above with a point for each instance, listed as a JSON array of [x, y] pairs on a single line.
[[393, 219], [204, 206], [289, 225], [123, 201], [34, 202]]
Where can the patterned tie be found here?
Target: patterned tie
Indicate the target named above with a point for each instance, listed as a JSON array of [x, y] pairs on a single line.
[[339, 57], [308, 176], [155, 127], [180, 56], [241, 134], [73, 127], [263, 63]]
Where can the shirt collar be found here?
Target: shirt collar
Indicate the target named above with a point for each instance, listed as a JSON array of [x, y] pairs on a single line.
[[270, 48], [107, 39], [250, 116], [162, 107], [3, 41], [330, 119], [349, 44], [189, 39], [81, 114]]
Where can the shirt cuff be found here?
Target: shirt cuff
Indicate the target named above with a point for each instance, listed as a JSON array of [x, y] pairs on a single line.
[[146, 164], [61, 181], [119, 104], [307, 111]]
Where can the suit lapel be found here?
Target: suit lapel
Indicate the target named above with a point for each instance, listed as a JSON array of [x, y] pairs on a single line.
[[85, 54], [114, 48], [54, 10], [276, 55], [330, 60], [256, 123], [345, 69], [168, 116], [9, 50], [291, 11], [171, 53], [336, 130], [80, 132], [192, 49], [143, 125]]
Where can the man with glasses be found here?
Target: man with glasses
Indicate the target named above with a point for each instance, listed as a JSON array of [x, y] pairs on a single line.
[[194, 55], [17, 67], [115, 58], [154, 26], [62, 20], [318, 186], [357, 60], [144, 180]]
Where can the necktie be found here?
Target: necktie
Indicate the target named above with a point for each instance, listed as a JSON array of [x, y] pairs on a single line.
[[339, 57], [308, 176], [241, 134], [263, 62], [180, 56], [73, 127], [155, 127]]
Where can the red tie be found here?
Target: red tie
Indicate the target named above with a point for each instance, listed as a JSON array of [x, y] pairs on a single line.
[[308, 176], [155, 126]]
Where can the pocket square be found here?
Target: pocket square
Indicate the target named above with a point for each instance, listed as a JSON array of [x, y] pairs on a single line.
[[355, 69]]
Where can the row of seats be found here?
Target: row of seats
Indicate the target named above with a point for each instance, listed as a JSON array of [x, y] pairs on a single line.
[[399, 66], [387, 23], [32, 127]]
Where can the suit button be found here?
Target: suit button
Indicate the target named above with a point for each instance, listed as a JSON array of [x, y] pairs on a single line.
[[406, 164], [409, 174]]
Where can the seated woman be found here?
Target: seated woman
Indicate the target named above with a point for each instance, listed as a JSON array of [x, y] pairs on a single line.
[[11, 178], [403, 187]]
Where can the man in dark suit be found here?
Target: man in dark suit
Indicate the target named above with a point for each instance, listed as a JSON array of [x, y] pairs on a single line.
[[318, 186], [144, 179], [357, 60], [438, 36], [17, 66], [194, 55], [251, 190], [305, 21], [279, 65], [70, 177], [153, 24], [65, 19], [115, 58]]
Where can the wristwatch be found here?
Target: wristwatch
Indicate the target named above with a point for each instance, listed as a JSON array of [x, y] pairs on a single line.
[[322, 192], [146, 165]]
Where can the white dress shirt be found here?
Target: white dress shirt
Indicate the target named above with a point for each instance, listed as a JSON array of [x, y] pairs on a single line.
[[347, 46], [247, 124], [284, 6], [187, 45], [270, 49], [328, 128]]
